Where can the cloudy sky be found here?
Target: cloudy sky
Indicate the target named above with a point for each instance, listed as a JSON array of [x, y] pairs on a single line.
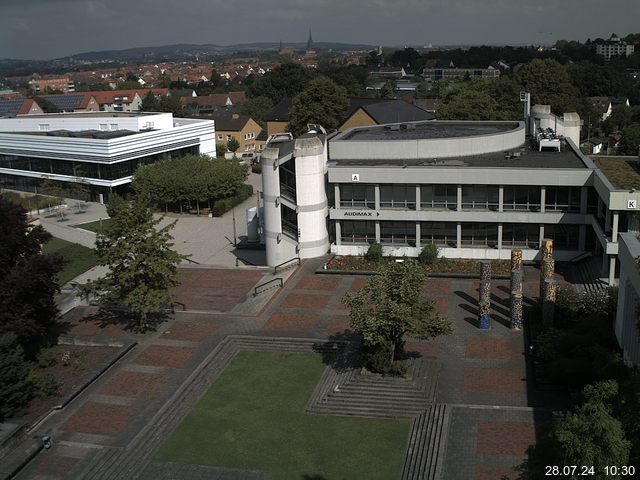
[[42, 29]]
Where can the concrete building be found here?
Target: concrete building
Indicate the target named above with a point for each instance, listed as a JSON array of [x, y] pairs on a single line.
[[475, 189], [628, 311], [614, 47], [454, 73], [99, 149], [51, 82]]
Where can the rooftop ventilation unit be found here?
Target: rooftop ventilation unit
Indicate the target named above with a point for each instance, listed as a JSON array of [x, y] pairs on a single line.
[[280, 137]]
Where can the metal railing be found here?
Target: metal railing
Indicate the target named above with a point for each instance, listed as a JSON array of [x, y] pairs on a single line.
[[277, 282], [295, 259]]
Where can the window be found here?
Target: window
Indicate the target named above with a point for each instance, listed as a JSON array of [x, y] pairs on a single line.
[[398, 233], [354, 195], [525, 235], [521, 198], [229, 138], [480, 235], [439, 197], [289, 222], [113, 126], [220, 137], [562, 199], [44, 127], [249, 136], [398, 196], [482, 197], [358, 232], [565, 237], [148, 125], [445, 234], [287, 172], [103, 126]]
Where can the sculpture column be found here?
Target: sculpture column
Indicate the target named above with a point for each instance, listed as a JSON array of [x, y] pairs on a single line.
[[484, 299], [517, 277]]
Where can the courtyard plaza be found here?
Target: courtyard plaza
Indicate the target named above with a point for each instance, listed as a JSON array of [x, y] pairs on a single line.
[[479, 391]]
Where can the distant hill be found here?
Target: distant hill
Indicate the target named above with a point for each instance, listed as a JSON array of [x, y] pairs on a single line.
[[182, 50]]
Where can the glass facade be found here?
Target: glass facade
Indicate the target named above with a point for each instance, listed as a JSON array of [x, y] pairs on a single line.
[[287, 172], [398, 233], [562, 199], [480, 197], [525, 235], [97, 171], [480, 235], [357, 232], [398, 196], [565, 237], [443, 234], [439, 197], [359, 196], [521, 198], [289, 222]]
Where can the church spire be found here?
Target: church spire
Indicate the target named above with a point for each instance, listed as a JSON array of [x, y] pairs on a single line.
[[310, 42]]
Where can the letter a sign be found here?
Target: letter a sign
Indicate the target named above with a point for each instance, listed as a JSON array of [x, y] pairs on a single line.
[[355, 177]]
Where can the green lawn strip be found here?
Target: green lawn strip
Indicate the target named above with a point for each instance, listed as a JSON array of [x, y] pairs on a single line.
[[78, 259], [94, 226], [253, 418]]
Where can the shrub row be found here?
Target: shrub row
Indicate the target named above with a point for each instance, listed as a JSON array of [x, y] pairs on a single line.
[[223, 205]]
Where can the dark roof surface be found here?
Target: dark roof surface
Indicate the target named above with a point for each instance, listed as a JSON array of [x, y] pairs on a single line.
[[10, 108], [280, 112], [66, 102], [428, 130], [389, 111], [227, 122]]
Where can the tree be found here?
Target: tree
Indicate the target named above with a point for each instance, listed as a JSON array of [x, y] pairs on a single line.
[[321, 102], [589, 435], [149, 103], [15, 389], [468, 105], [630, 141], [142, 264], [257, 108], [27, 279], [46, 105], [233, 145], [390, 306], [285, 80], [549, 84]]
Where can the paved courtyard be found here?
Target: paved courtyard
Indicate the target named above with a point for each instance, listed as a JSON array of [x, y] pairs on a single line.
[[493, 409]]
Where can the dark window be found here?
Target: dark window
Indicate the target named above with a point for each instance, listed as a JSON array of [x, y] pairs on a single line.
[[483, 197], [445, 234], [439, 196], [480, 234], [289, 221], [287, 173], [562, 199], [398, 196], [565, 237], [352, 231], [353, 195], [403, 233], [518, 197], [521, 235]]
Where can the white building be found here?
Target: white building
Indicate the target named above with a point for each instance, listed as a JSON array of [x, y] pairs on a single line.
[[614, 47], [628, 311], [100, 149]]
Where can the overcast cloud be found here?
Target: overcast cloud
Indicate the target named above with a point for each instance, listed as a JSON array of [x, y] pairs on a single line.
[[44, 29]]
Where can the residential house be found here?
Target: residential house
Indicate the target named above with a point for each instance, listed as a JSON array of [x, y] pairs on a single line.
[[241, 127], [74, 102], [365, 112], [19, 106], [278, 119], [209, 104], [49, 83]]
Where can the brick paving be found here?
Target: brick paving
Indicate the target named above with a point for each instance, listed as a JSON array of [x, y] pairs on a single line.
[[483, 373], [135, 384], [484, 472], [164, 356], [100, 419], [493, 380], [209, 289], [189, 331]]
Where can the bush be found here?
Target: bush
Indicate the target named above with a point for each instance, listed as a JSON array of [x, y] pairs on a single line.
[[15, 388], [374, 253], [256, 168], [428, 254], [377, 359], [47, 358], [44, 384], [223, 205]]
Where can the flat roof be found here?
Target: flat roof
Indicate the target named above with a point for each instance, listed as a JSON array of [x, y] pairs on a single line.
[[98, 134], [90, 114], [427, 130], [524, 157], [622, 172]]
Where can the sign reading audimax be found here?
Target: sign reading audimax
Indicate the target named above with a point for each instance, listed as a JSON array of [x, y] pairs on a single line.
[[359, 213]]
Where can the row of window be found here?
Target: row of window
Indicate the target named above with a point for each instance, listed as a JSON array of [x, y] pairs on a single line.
[[74, 168], [446, 234], [481, 197], [247, 136]]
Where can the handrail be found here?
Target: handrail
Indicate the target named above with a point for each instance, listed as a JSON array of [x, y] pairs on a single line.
[[191, 261], [255, 290], [294, 259], [245, 261]]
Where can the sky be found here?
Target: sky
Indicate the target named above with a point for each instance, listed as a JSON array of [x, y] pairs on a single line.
[[45, 29]]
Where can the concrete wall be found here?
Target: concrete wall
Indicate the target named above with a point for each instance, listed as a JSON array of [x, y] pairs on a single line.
[[86, 121], [568, 126], [628, 299]]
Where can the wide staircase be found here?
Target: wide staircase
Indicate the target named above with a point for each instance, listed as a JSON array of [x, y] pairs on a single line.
[[586, 276]]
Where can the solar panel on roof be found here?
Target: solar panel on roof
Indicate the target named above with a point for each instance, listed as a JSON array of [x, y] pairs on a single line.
[[66, 102], [10, 107]]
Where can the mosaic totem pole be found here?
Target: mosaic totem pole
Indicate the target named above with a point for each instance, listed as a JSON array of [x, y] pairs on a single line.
[[547, 265], [517, 276], [484, 301], [549, 301]]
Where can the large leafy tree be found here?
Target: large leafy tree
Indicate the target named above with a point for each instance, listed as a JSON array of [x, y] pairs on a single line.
[[321, 102], [630, 141], [257, 108], [392, 305], [15, 389], [27, 279], [142, 264], [549, 84], [589, 435], [285, 80]]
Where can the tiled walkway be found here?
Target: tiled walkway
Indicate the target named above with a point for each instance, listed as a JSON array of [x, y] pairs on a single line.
[[483, 377]]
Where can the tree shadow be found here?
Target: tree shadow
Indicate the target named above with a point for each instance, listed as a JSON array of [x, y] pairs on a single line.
[[341, 350], [306, 476], [106, 317]]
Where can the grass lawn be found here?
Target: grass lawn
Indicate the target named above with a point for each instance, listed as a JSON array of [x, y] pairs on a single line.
[[78, 259], [253, 418], [94, 226]]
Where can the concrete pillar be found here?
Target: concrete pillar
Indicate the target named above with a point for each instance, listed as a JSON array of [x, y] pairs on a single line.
[[500, 201], [338, 232], [614, 227], [584, 195], [377, 232], [543, 199], [336, 194], [459, 198], [541, 235], [459, 235], [418, 199], [499, 236], [417, 234], [612, 270], [582, 238], [377, 197]]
